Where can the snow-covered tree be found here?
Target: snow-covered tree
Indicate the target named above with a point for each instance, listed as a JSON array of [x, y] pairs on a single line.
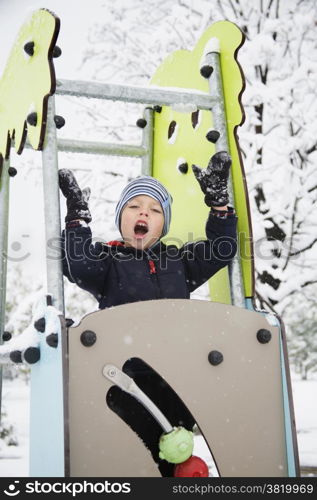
[[301, 318], [21, 294], [280, 145]]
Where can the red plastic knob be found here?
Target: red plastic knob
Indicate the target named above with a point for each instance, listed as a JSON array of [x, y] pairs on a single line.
[[192, 467]]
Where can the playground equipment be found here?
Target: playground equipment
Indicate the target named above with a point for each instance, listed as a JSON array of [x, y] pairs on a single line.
[[232, 383]]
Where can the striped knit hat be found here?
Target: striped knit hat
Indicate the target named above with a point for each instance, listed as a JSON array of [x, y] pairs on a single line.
[[145, 184]]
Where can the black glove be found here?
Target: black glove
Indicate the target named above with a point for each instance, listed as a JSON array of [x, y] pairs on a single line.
[[76, 199], [214, 179]]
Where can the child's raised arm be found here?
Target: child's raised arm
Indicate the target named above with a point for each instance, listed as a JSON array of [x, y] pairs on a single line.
[[84, 263], [204, 258], [76, 199], [214, 180]]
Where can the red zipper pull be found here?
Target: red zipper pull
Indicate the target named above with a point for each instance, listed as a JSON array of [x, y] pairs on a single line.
[[152, 267]]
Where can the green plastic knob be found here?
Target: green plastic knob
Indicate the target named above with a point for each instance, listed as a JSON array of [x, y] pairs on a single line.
[[176, 446]]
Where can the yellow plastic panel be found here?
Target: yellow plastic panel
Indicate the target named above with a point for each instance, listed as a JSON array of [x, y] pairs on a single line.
[[26, 83], [189, 144]]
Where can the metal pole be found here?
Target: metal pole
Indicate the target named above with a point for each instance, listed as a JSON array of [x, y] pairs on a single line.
[[222, 144], [4, 225], [147, 142], [131, 93], [54, 273], [98, 148]]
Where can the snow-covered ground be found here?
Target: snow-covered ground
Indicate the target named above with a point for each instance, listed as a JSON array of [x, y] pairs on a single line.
[[305, 404], [14, 459]]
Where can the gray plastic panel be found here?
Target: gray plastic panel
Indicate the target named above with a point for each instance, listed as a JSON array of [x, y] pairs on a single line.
[[238, 404]]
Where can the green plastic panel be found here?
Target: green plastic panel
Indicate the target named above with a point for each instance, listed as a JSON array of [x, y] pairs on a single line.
[[188, 144], [26, 83]]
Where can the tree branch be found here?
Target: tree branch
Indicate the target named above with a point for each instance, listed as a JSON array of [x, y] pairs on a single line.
[[304, 249], [312, 149], [264, 301], [292, 234]]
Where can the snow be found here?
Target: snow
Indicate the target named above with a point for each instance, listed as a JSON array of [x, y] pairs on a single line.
[[183, 107], [213, 45], [178, 90], [305, 403], [14, 460], [29, 338]]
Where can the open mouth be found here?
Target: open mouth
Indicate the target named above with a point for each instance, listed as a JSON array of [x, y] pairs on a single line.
[[140, 229]]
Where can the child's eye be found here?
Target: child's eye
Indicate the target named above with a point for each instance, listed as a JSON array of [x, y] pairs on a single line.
[[134, 206], [157, 210]]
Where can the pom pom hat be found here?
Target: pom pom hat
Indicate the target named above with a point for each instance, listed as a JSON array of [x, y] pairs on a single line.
[[146, 185]]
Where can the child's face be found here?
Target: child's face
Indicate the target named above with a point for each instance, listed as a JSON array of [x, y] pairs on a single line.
[[142, 221]]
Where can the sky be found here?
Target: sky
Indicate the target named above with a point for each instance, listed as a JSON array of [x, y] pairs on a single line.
[[75, 16]]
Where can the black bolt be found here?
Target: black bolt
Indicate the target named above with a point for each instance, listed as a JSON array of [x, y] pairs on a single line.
[[52, 340], [6, 336], [12, 171], [29, 48], [88, 338], [215, 358], [69, 322], [206, 70], [141, 122], [16, 356], [213, 136], [264, 336], [32, 355], [32, 119], [59, 121], [39, 324], [57, 51], [183, 168], [157, 108]]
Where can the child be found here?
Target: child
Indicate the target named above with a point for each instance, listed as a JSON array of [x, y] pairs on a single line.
[[140, 266]]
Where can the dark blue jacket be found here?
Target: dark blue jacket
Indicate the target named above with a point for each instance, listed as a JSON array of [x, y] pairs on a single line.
[[115, 274]]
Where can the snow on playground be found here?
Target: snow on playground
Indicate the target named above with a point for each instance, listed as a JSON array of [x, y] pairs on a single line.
[[14, 459], [305, 403]]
